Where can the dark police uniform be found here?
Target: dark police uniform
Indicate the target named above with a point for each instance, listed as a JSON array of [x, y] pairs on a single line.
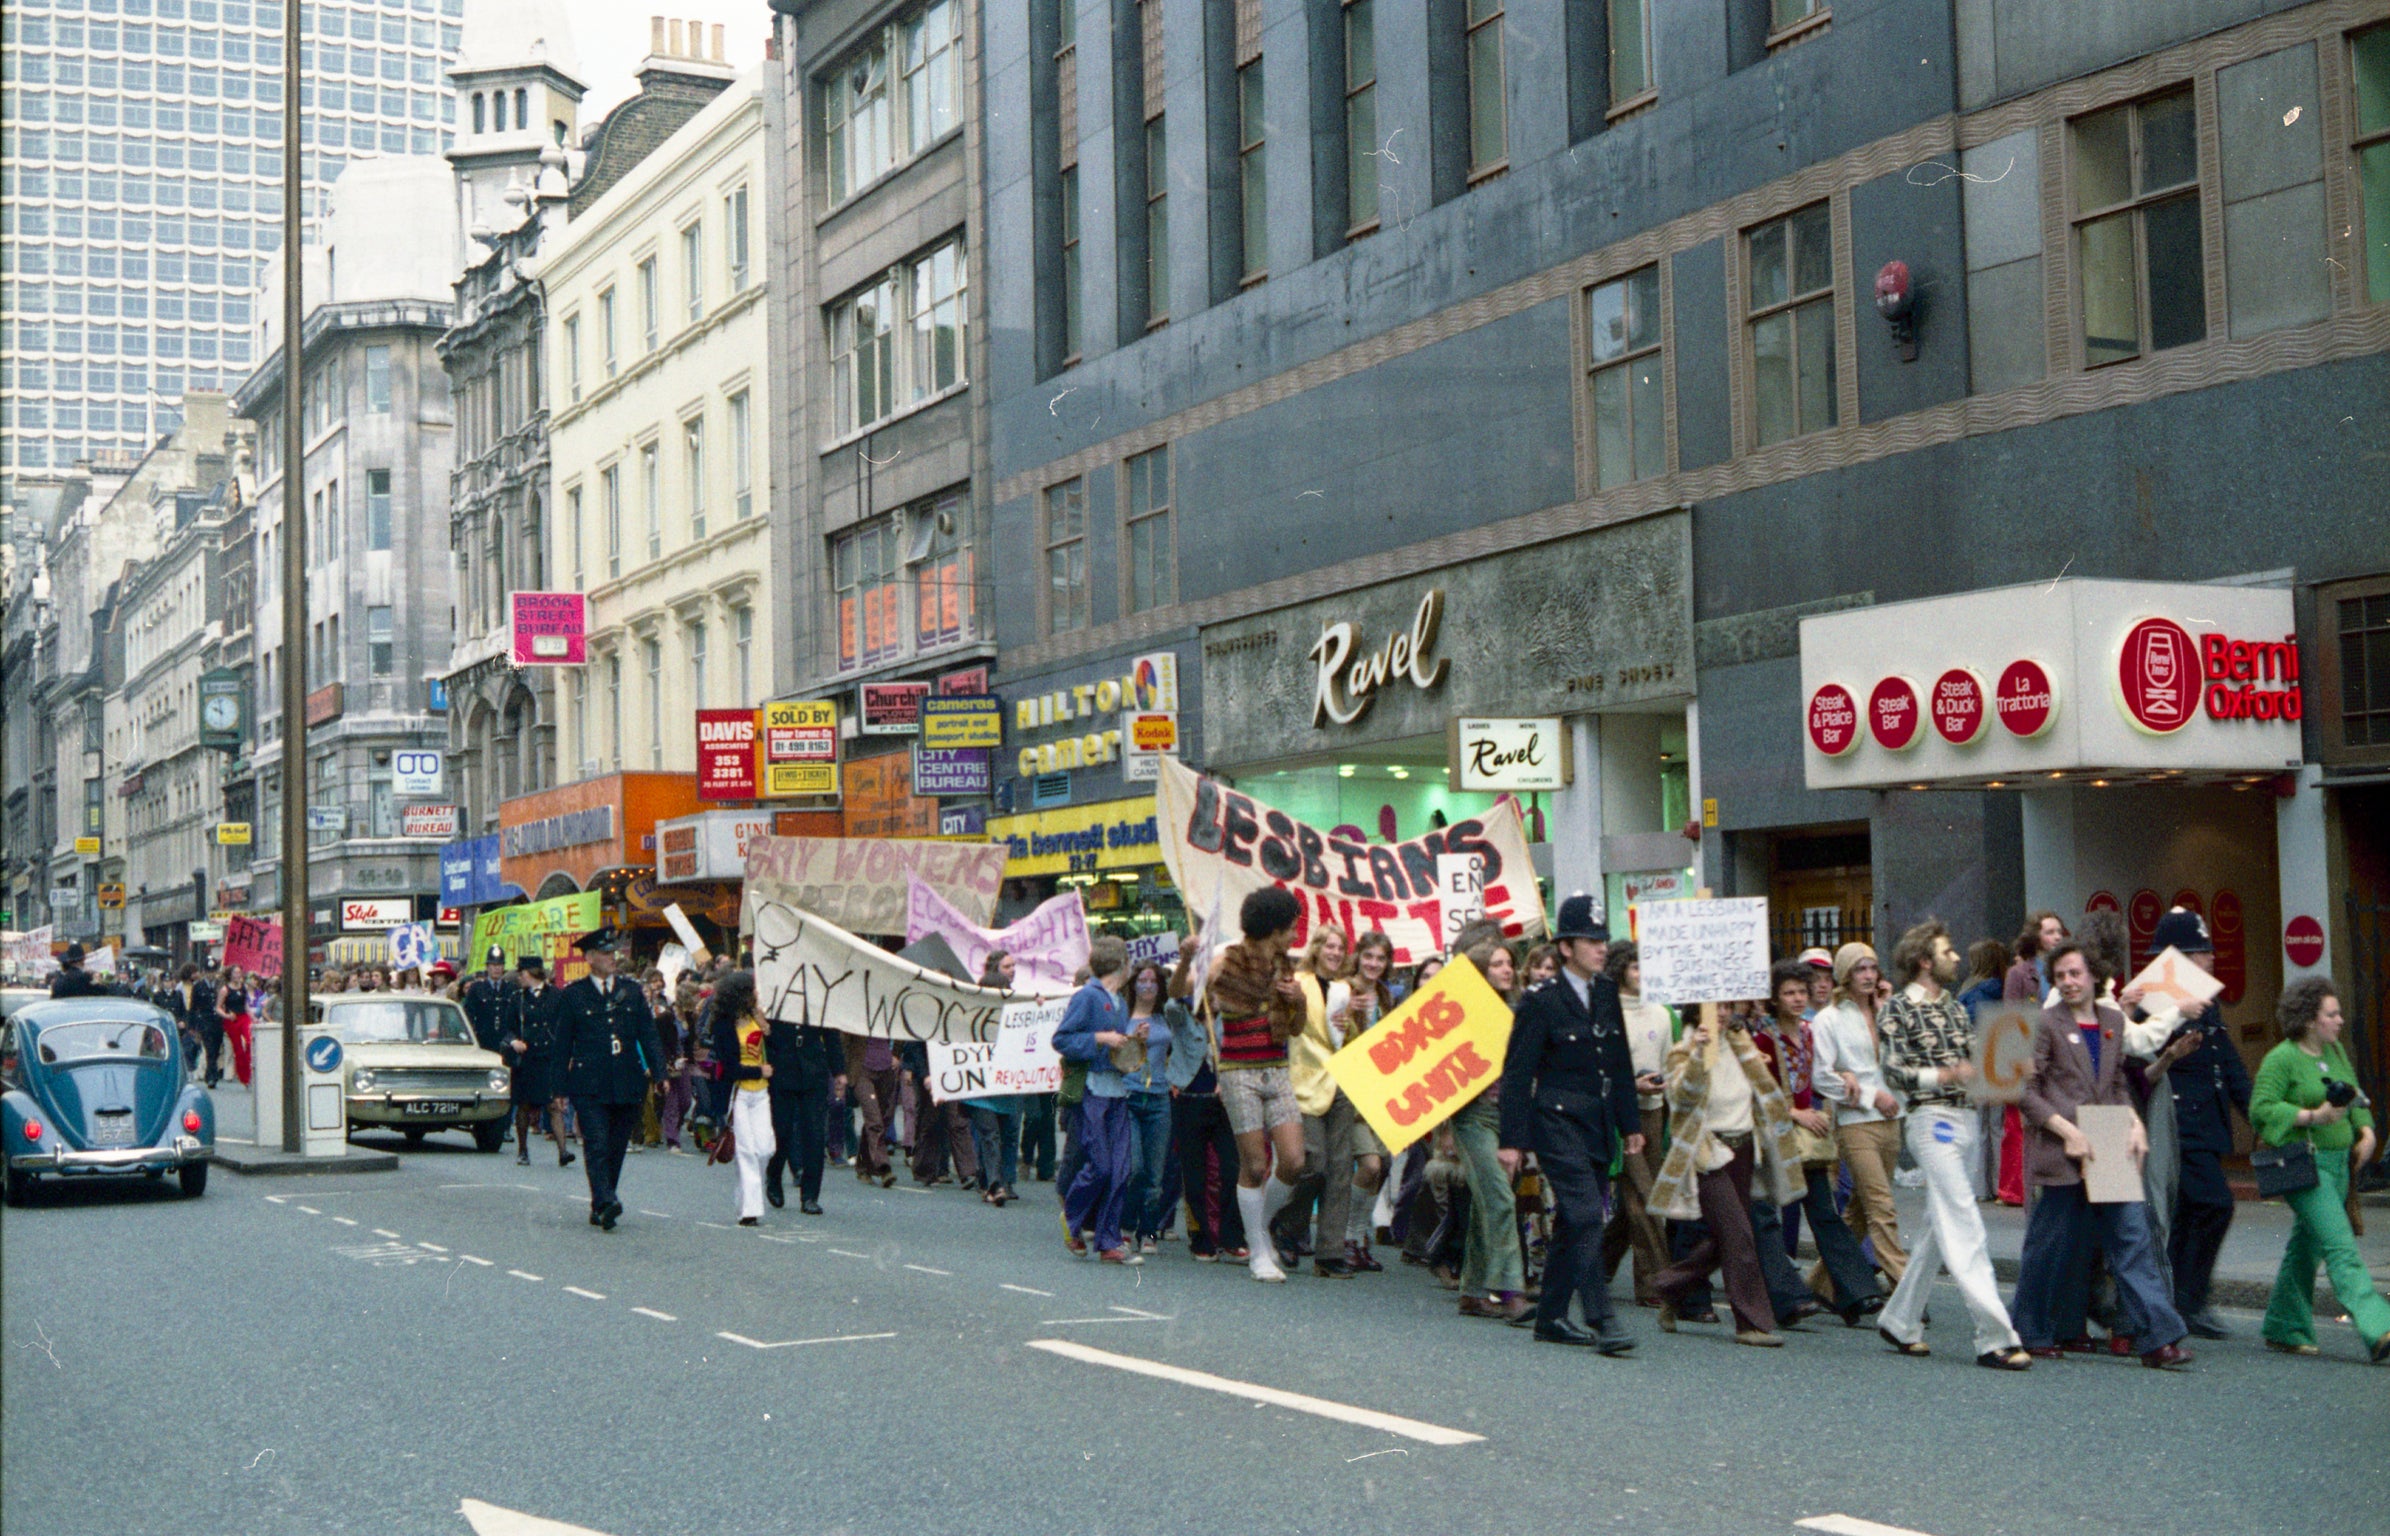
[[489, 1008], [1568, 1093], [609, 1053], [800, 1086], [2208, 1085], [537, 1019]]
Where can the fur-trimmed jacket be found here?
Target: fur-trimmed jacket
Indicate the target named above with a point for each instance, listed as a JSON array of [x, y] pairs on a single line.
[[1693, 1151], [1244, 985]]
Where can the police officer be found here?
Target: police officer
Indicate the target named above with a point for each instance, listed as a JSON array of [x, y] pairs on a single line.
[[610, 1053], [535, 1024], [1568, 1095], [2209, 1081], [488, 1008]]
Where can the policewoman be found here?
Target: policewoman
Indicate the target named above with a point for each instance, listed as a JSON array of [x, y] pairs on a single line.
[[609, 1052], [531, 1042], [1568, 1096]]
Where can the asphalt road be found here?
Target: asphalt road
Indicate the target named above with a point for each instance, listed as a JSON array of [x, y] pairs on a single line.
[[364, 1354]]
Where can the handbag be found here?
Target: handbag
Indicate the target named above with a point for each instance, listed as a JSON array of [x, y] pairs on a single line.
[[725, 1145], [2283, 1170]]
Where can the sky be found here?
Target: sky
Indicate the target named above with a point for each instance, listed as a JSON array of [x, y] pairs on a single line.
[[612, 37]]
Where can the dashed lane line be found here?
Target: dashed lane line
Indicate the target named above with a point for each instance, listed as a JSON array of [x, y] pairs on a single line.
[[836, 1338], [346, 1221], [849, 1253], [1065, 1322], [277, 1199], [1156, 1317], [658, 1215], [925, 1269], [484, 1263], [523, 1275], [432, 1247], [1852, 1525], [661, 1317], [1369, 1418], [311, 1210], [383, 1232], [1007, 1285], [592, 1295]]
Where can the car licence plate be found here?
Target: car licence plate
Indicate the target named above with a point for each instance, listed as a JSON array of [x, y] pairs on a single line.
[[432, 1107]]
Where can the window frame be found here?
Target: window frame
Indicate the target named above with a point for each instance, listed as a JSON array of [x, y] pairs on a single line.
[[609, 329], [692, 430], [651, 301], [1624, 102], [2362, 140], [692, 256], [1362, 97], [897, 360], [1754, 314], [572, 356], [1081, 610], [904, 140], [742, 455], [651, 661], [377, 380], [2329, 701], [1157, 219], [610, 508], [1131, 517], [1472, 24], [736, 237], [2135, 206], [651, 494], [1597, 366], [1253, 186], [1073, 319], [852, 595], [379, 514]]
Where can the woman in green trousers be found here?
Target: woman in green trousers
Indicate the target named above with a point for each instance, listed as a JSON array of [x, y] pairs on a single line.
[[2293, 1101]]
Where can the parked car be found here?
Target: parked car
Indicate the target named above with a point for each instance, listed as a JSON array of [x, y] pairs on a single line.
[[409, 1064], [95, 1086]]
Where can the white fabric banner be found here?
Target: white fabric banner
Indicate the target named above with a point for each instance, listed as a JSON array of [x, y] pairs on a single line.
[[1048, 946], [1021, 1059]]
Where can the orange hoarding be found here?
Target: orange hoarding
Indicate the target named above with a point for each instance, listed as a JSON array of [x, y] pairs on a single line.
[[880, 801]]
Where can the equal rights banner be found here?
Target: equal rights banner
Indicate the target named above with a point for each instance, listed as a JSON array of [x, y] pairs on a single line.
[[1222, 844], [1047, 946], [860, 883], [809, 970]]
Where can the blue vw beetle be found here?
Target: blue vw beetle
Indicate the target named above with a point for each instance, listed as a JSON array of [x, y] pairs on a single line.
[[95, 1085]]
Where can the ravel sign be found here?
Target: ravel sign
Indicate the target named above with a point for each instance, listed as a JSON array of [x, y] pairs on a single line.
[[1492, 755]]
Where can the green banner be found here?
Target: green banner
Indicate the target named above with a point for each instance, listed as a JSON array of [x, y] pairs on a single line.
[[522, 930]]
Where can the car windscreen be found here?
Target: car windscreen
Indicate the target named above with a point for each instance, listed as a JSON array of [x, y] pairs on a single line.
[[102, 1040], [399, 1021]]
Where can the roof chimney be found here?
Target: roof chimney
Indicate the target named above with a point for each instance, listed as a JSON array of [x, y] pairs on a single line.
[[718, 43], [655, 35]]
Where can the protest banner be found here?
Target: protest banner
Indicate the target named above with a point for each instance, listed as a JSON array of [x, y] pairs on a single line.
[[102, 961], [1161, 948], [1704, 951], [809, 970], [1020, 1059], [2003, 1054], [1460, 891], [412, 947], [30, 953], [1048, 946], [1440, 1049], [859, 883], [1221, 844], [529, 929], [254, 944], [2173, 977]]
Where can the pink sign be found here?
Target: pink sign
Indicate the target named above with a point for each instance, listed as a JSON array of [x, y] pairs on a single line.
[[551, 629], [1048, 946], [254, 944]]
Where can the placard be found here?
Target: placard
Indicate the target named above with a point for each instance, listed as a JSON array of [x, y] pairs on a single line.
[[1460, 891], [892, 709], [1704, 951], [2172, 976], [811, 971], [1048, 946], [1428, 1058], [686, 932], [962, 720], [725, 754], [782, 780], [254, 944], [1161, 948], [1020, 1059], [550, 629], [412, 947], [414, 771], [232, 834], [526, 929], [2003, 1053], [2110, 1175], [375, 912]]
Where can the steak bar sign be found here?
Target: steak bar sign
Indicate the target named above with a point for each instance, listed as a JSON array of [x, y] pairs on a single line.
[[2077, 676]]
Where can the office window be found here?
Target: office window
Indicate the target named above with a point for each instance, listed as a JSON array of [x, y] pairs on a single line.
[[377, 509], [858, 130], [863, 356], [900, 340], [734, 237], [480, 115], [317, 549], [522, 109], [651, 498], [870, 123], [693, 464], [648, 301], [941, 560], [1784, 15], [1066, 556], [1629, 425], [1152, 581], [381, 650], [742, 457], [937, 311], [742, 634], [572, 518], [698, 697], [651, 661], [1157, 220], [932, 43], [1360, 115], [2137, 243], [1254, 212], [606, 329], [610, 493], [1630, 49], [2369, 53], [327, 795], [1070, 263], [1792, 324], [381, 799], [572, 356], [614, 710], [1489, 122], [692, 265], [865, 586], [377, 380]]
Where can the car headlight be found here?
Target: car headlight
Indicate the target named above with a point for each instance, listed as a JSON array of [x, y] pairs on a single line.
[[362, 1081], [498, 1080]]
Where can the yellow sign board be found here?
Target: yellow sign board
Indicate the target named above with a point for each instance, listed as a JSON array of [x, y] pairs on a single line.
[[232, 834], [111, 896], [800, 779], [87, 847], [1081, 839], [796, 714], [1440, 1049]]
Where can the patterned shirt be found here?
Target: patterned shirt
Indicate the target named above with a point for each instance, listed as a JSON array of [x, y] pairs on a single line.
[[1922, 1037]]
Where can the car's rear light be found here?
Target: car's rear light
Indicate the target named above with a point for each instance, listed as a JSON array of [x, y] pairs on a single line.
[[191, 1121], [33, 1130]]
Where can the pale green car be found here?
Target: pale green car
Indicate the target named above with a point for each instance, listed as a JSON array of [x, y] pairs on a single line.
[[410, 1065]]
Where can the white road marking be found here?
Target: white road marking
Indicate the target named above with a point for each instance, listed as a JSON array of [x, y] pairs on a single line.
[[907, 1189], [849, 1253], [925, 1269], [836, 1338], [1134, 1312], [1064, 1322], [345, 1221], [311, 1210], [717, 1226], [520, 1275], [434, 1247], [592, 1295], [1852, 1525], [658, 1215], [1411, 1429], [277, 1199], [661, 1317], [484, 1263], [491, 1520], [381, 1232], [769, 1238], [1007, 1285]]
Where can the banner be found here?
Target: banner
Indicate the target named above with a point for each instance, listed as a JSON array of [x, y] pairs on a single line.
[[412, 947], [524, 930], [1704, 951], [1440, 1049], [254, 944], [30, 953], [859, 883], [1021, 1059], [1048, 946], [1221, 844], [809, 970]]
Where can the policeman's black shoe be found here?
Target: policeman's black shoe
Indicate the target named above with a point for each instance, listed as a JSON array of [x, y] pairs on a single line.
[[810, 1207], [597, 1218], [1611, 1339], [1562, 1331], [607, 1218], [564, 1159], [773, 1193], [750, 1221]]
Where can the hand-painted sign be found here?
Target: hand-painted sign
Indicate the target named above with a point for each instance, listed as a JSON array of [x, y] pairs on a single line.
[[860, 883], [811, 971], [1443, 1047], [1020, 1059], [1048, 946], [1713, 951]]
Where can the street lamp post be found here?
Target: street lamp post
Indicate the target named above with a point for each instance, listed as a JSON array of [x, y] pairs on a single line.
[[294, 608]]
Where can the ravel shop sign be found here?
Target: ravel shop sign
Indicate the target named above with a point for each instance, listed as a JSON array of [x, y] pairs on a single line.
[[2074, 676], [725, 754], [1492, 755], [1595, 621]]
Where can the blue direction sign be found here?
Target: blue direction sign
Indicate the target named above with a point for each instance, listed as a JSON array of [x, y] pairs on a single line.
[[323, 1054]]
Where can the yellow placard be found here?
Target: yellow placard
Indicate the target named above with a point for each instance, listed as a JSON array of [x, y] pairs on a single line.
[[800, 779], [232, 834], [1440, 1049]]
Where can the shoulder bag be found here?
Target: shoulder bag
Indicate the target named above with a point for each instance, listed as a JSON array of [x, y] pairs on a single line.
[[2283, 1170]]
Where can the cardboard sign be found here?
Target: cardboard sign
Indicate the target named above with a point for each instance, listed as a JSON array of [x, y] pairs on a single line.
[[2003, 1054], [1221, 844], [1460, 889], [1162, 948], [2110, 1176], [254, 944], [860, 883], [811, 971], [725, 754], [1020, 1059], [1048, 946], [1713, 951], [2172, 976], [550, 629], [686, 932], [412, 947], [1440, 1049]]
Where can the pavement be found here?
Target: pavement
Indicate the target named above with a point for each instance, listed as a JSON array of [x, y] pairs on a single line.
[[384, 1353]]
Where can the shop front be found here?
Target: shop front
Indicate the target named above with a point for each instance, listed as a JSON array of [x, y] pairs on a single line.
[[2150, 735], [701, 866], [1111, 850], [598, 834], [1559, 673]]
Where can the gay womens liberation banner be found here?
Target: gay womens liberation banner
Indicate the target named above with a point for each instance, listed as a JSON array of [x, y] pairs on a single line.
[[859, 883], [1221, 843]]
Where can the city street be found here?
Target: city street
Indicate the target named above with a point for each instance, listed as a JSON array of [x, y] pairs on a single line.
[[365, 1354]]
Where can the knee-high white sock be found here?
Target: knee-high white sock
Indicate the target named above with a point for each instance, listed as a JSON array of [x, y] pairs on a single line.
[[1275, 1193], [1253, 1205]]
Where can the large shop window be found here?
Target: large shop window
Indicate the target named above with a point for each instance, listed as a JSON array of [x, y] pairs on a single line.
[[901, 340], [1792, 324], [875, 117], [903, 583], [2137, 240], [1630, 439]]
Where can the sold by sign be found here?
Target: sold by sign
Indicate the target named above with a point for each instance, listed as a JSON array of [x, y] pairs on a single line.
[[1440, 1049], [1833, 720]]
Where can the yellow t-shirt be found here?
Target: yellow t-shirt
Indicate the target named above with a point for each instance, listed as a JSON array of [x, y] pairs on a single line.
[[751, 1051]]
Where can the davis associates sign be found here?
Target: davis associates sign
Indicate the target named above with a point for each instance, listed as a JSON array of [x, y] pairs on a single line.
[[2083, 677]]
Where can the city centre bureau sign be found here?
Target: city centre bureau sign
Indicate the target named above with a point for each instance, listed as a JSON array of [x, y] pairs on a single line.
[[1594, 621]]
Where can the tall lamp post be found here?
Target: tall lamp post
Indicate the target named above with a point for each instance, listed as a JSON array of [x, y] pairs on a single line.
[[294, 609]]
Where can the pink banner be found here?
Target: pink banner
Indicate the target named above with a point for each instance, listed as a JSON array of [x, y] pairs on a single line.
[[1048, 946], [254, 944]]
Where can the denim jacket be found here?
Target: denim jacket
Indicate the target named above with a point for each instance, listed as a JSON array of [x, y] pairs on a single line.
[[1160, 1072], [1093, 1008]]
